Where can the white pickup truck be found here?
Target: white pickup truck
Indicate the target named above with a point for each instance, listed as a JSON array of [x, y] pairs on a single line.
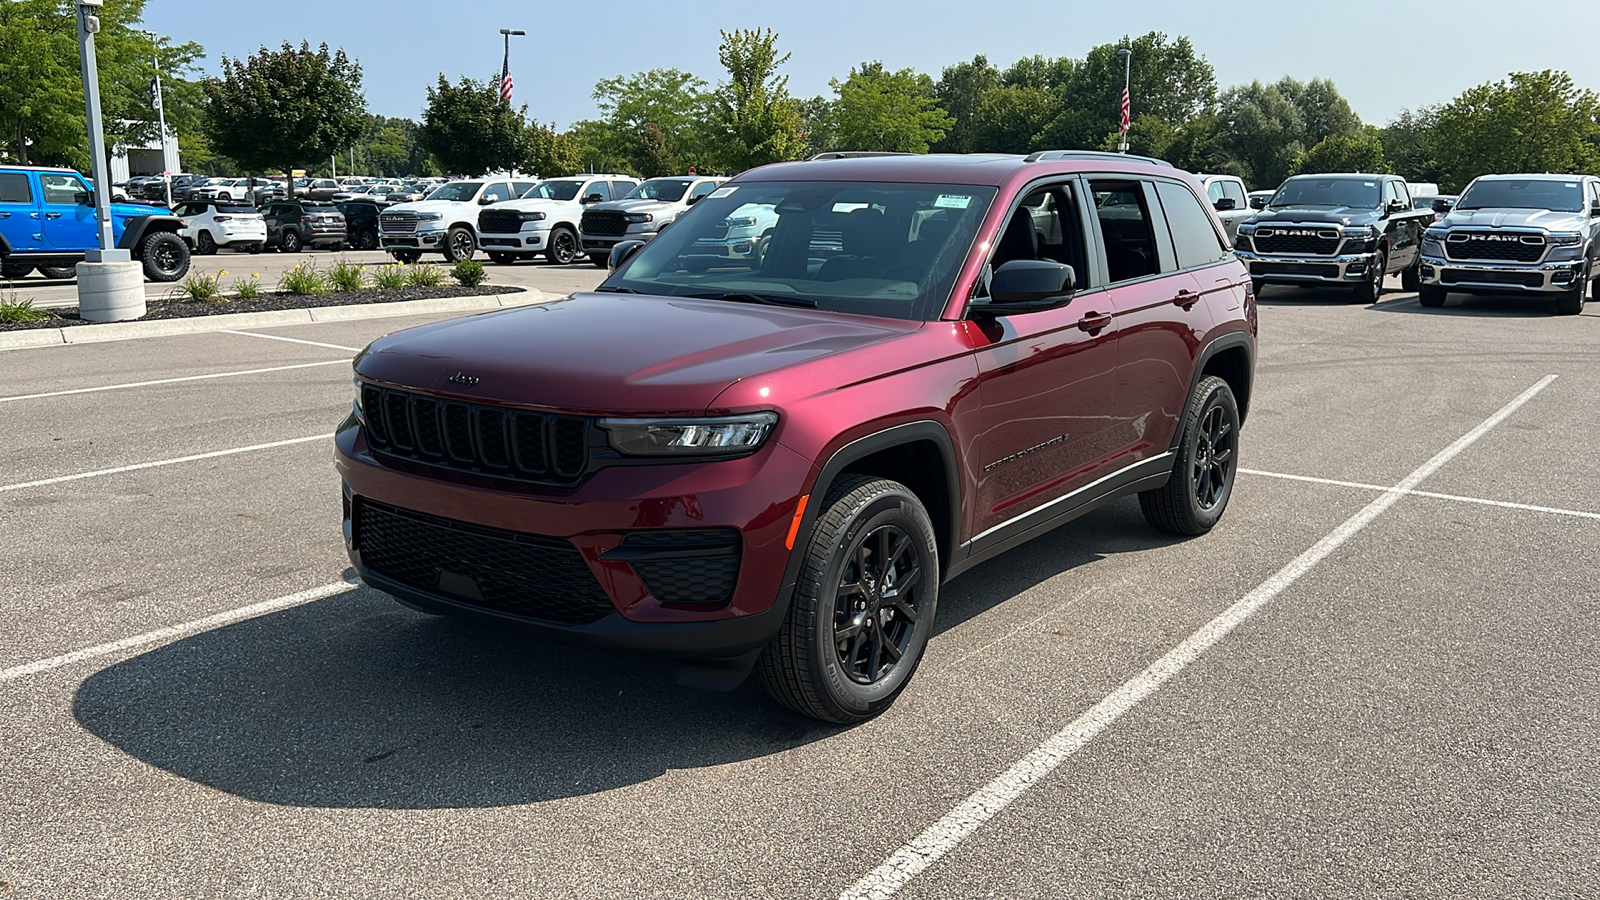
[[545, 219], [642, 214], [447, 221]]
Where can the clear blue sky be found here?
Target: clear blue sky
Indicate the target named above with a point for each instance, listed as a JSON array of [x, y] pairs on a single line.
[[1384, 55]]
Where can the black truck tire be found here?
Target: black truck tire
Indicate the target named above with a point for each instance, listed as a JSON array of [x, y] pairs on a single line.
[[165, 257]]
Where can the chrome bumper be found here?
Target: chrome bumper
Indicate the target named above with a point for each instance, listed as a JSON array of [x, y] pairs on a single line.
[[1341, 269], [1516, 278]]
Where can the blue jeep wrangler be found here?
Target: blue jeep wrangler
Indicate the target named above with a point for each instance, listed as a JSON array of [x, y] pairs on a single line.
[[47, 222]]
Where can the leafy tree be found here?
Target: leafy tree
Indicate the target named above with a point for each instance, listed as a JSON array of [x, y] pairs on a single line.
[[878, 109], [753, 120], [1408, 141], [1361, 152], [651, 124], [960, 91], [1201, 145], [818, 126], [286, 108], [1263, 129], [41, 104], [1531, 122], [1324, 112], [1147, 136], [550, 152], [1169, 81], [1011, 118], [469, 130]]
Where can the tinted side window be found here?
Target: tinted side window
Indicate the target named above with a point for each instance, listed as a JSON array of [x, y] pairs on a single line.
[[1125, 226], [497, 192], [1046, 226], [702, 189], [1235, 191], [1214, 191], [518, 188], [620, 189], [14, 188], [596, 187], [61, 189], [1196, 240]]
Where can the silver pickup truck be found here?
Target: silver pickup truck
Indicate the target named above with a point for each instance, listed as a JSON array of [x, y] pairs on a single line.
[[1530, 235]]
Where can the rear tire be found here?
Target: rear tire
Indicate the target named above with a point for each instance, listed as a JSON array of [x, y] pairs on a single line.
[[165, 257], [205, 244], [869, 580], [58, 272], [1431, 296], [366, 239], [15, 270], [1411, 278], [1195, 497]]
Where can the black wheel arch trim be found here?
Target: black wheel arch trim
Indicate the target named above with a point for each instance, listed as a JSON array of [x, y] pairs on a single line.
[[133, 233], [1230, 341]]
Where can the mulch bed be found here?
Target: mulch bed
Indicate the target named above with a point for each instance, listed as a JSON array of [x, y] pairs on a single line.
[[177, 309]]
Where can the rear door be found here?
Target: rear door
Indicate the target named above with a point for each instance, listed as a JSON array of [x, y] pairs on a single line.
[[20, 219], [69, 225]]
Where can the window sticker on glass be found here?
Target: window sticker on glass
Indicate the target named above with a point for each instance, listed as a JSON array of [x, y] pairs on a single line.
[[952, 201], [719, 193]]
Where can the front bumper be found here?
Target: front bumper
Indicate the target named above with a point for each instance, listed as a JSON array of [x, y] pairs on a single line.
[[1345, 268], [593, 244], [1502, 278], [757, 495], [733, 248], [419, 240], [524, 241]]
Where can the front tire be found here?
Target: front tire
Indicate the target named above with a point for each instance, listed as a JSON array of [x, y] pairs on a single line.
[[600, 260], [563, 247], [406, 256], [1570, 303], [290, 241], [15, 270], [1370, 290], [366, 239], [1411, 278], [1432, 296], [503, 259], [165, 257], [863, 609], [1195, 497], [459, 244]]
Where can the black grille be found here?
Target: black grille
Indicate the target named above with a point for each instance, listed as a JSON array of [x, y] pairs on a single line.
[[706, 572], [499, 221], [532, 576], [1321, 243], [474, 437], [1321, 271], [604, 222], [1462, 276], [1479, 247]]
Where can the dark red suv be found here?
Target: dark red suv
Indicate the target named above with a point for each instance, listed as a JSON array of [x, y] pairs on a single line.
[[775, 461]]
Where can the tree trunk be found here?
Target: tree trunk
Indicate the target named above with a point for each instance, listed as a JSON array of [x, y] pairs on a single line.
[[290, 180], [22, 140]]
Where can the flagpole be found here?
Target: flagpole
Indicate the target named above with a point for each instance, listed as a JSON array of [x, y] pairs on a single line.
[[1127, 87], [161, 115], [505, 68]]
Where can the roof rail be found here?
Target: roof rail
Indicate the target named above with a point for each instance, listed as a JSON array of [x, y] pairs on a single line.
[[857, 154], [1052, 155]]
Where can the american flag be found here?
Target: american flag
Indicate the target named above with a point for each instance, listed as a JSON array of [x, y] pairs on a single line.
[[1127, 110], [505, 80]]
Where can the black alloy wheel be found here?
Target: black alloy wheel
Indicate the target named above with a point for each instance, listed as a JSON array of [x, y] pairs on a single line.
[[205, 244], [1371, 288], [875, 605], [1196, 495], [165, 257], [366, 239], [563, 247]]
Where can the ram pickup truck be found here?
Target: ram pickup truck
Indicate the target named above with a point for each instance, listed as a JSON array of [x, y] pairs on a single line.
[[47, 221], [774, 464], [642, 214], [1526, 235], [447, 221], [545, 218], [1336, 230]]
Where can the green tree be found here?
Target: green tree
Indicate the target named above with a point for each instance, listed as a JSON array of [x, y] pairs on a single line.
[[818, 126], [1360, 152], [753, 120], [1169, 80], [651, 124], [1531, 122], [960, 91], [1408, 141], [878, 109], [550, 152], [469, 130], [280, 109], [41, 102], [1011, 119], [1264, 131], [1324, 112]]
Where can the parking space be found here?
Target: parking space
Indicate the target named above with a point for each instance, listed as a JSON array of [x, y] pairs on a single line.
[[1412, 713]]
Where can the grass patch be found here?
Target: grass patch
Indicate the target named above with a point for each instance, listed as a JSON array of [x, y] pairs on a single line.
[[426, 275], [469, 273], [21, 312], [305, 278], [347, 276]]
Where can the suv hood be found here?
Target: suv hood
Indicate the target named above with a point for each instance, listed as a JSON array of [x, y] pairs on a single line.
[[1516, 218], [1342, 215], [679, 355]]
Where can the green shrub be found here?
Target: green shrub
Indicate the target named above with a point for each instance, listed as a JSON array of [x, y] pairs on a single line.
[[247, 288], [198, 288], [469, 273], [390, 277], [20, 312], [424, 276], [303, 279], [348, 276]]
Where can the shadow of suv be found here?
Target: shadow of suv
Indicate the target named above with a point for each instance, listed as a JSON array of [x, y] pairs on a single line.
[[774, 461]]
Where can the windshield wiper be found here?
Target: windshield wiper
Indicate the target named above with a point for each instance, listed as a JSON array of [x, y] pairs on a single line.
[[769, 299], [616, 290]]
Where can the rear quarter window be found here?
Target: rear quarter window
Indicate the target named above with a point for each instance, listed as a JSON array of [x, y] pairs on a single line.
[[14, 188], [1196, 241]]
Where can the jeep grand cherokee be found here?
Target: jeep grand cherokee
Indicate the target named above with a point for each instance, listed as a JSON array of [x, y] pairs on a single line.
[[774, 462]]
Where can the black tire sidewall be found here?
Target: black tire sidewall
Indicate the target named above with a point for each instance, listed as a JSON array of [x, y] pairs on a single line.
[[290, 242], [147, 255], [554, 256], [451, 254], [1214, 393]]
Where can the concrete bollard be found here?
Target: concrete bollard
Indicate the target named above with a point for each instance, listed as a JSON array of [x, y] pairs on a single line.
[[110, 291]]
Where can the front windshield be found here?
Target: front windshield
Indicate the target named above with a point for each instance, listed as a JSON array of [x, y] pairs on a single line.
[[668, 190], [558, 189], [1358, 193], [1524, 193], [456, 191], [890, 249]]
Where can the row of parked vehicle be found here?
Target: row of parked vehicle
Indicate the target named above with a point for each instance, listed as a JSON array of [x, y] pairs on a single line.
[[258, 191]]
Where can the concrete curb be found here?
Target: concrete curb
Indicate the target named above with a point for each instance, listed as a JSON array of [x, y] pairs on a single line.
[[127, 331]]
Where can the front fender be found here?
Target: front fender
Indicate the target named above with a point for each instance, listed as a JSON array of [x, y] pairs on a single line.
[[133, 233]]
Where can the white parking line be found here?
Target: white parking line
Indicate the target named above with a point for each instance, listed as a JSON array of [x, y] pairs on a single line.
[[279, 337], [1553, 510], [161, 462], [172, 631], [139, 384], [958, 824]]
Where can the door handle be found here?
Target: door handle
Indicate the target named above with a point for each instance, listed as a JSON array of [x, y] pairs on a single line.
[[52, 215], [5, 215], [1186, 299], [1094, 321], [33, 215]]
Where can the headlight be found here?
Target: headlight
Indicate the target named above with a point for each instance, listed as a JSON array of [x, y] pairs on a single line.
[[430, 216], [636, 218], [356, 406], [724, 435], [1435, 234], [1247, 229], [1565, 239], [740, 221], [530, 216], [1364, 233]]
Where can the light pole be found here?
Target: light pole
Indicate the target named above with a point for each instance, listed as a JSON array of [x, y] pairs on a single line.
[[505, 70], [161, 114], [110, 285], [1127, 97]]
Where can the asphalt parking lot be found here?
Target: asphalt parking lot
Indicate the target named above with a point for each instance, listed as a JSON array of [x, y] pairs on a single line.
[[1377, 677]]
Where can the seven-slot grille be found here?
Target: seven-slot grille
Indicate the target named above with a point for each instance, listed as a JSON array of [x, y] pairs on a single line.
[[398, 223], [524, 574], [604, 222], [1499, 247], [1297, 241], [499, 221], [540, 448]]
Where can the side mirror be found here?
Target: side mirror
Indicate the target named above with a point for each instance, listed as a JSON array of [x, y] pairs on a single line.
[[1397, 206], [1226, 204], [1441, 205], [694, 200], [1258, 203], [594, 198], [83, 198], [485, 201], [623, 252], [1029, 285]]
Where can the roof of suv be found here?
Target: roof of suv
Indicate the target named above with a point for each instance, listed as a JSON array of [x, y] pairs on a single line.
[[957, 168]]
